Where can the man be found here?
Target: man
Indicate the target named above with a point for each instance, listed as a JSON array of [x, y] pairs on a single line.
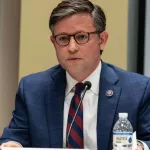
[[43, 100]]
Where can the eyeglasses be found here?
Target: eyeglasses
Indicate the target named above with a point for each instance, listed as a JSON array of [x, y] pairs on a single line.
[[80, 38]]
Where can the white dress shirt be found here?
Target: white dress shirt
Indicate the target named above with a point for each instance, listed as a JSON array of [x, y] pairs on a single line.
[[90, 103]]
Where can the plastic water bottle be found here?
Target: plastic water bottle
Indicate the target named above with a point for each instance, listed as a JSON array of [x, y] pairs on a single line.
[[122, 133]]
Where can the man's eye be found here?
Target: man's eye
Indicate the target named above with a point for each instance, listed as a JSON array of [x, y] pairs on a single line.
[[63, 38], [82, 36]]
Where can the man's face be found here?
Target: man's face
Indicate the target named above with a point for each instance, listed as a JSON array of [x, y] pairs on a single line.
[[79, 60]]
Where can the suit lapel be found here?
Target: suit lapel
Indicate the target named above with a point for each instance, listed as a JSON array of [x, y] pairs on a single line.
[[54, 108], [107, 105]]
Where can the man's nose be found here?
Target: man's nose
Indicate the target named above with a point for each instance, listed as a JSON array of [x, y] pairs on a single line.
[[72, 46]]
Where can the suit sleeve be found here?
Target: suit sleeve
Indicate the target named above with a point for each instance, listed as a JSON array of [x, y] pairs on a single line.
[[143, 129], [18, 129]]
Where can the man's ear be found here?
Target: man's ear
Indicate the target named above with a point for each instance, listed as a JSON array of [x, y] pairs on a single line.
[[103, 39], [52, 39]]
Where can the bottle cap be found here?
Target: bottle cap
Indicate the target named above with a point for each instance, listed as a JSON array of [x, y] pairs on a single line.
[[123, 115]]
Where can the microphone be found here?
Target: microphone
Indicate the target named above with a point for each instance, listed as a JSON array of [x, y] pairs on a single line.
[[87, 86]]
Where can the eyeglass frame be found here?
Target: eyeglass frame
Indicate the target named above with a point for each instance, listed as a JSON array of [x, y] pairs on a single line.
[[73, 35]]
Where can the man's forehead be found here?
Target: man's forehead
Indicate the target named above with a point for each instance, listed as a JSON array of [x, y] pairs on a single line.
[[75, 23]]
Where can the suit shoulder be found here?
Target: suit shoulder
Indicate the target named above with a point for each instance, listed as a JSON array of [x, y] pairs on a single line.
[[43, 76], [128, 76]]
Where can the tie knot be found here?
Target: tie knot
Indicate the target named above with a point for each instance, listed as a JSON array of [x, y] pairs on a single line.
[[79, 88]]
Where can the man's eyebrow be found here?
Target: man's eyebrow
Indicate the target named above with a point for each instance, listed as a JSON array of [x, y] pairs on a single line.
[[61, 33]]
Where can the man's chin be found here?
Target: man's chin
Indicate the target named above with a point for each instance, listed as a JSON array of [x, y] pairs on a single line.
[[76, 73], [75, 69]]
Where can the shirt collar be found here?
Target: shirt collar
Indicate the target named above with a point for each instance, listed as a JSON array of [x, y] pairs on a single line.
[[94, 78]]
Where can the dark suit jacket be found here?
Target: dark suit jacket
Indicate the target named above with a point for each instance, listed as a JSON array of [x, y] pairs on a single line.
[[38, 116]]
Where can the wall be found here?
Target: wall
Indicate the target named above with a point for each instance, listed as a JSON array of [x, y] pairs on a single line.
[[36, 51], [133, 26], [147, 41]]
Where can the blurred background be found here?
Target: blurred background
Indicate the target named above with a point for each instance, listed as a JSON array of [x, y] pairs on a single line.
[[25, 45]]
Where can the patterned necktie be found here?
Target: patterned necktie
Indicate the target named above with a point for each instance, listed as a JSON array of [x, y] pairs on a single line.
[[75, 138]]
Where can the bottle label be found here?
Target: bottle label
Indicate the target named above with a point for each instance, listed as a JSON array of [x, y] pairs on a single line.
[[122, 138]]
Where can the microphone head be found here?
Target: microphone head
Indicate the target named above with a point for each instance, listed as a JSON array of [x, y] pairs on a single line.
[[87, 84]]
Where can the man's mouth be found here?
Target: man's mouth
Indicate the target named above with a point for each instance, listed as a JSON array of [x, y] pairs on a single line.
[[74, 58]]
